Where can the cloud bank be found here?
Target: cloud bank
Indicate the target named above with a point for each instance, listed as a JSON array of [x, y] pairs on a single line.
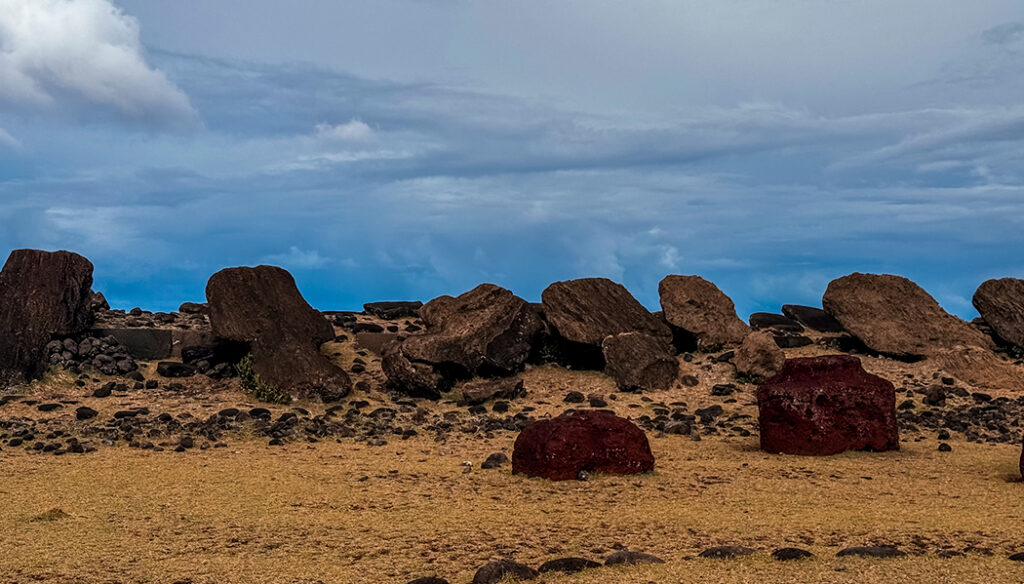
[[59, 54], [368, 189]]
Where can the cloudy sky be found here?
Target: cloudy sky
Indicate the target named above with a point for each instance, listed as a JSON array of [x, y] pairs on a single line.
[[392, 149]]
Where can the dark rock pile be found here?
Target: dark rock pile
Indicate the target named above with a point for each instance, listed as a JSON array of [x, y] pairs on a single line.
[[189, 316], [89, 352], [486, 332]]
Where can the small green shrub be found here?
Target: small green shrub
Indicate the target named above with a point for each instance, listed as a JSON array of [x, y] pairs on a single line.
[[254, 386]]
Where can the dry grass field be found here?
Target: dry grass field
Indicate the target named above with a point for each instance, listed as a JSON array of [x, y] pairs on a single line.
[[345, 512], [342, 512]]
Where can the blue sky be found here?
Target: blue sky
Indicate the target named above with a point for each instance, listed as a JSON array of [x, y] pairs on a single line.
[[392, 149]]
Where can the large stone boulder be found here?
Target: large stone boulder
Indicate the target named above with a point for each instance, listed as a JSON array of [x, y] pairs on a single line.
[[435, 312], [978, 367], [759, 356], [698, 307], [263, 307], [892, 315], [760, 321], [42, 295], [589, 309], [813, 318], [1001, 304], [486, 332], [638, 361], [591, 441], [826, 405]]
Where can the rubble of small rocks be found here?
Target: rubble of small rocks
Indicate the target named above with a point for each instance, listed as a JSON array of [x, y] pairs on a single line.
[[91, 352]]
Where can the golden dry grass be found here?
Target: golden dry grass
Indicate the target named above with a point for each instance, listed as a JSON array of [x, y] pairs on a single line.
[[348, 513], [342, 512]]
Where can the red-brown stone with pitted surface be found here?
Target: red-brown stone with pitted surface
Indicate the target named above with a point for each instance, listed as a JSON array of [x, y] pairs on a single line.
[[591, 441], [826, 405]]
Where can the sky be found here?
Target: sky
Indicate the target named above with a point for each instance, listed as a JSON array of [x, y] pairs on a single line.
[[404, 149]]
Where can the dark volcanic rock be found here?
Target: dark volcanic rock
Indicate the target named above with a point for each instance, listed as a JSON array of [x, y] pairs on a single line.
[[574, 397], [496, 460], [568, 565], [477, 391], [214, 354], [874, 551], [626, 557], [589, 309], [893, 315], [263, 307], [1001, 303], [697, 306], [791, 341], [815, 319], [826, 405], [194, 308], [496, 571], [591, 441], [638, 361], [393, 310], [767, 320], [485, 332], [174, 369], [788, 554], [42, 295], [85, 413], [428, 580]]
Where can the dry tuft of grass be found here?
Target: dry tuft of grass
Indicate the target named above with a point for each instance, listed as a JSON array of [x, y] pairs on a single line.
[[54, 514]]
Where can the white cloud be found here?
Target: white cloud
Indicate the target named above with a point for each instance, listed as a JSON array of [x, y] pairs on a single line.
[[59, 53], [353, 131], [297, 258], [8, 140]]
